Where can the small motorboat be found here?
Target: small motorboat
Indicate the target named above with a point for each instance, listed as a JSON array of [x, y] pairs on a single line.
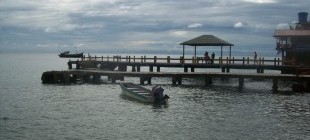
[[67, 54], [156, 95]]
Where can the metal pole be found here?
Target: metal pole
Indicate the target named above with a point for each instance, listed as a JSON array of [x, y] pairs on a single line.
[[195, 51], [221, 53], [183, 51], [229, 53]]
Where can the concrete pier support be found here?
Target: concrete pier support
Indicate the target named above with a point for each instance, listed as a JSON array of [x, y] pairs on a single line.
[[158, 68], [133, 69], [227, 70], [138, 68], [260, 70], [192, 69], [70, 65], [78, 66], [185, 69], [151, 69]]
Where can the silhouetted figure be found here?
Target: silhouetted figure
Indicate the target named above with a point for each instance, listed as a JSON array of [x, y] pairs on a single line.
[[207, 57], [255, 58], [212, 58]]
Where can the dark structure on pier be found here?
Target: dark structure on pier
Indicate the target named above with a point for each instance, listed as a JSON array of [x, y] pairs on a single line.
[[294, 43], [207, 40]]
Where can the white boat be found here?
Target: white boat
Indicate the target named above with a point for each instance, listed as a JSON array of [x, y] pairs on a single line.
[[142, 94]]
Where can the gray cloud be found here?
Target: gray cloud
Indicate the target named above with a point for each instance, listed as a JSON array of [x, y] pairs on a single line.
[[146, 25]]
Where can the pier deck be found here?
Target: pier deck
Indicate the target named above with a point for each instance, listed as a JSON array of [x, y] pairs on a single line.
[[225, 65]]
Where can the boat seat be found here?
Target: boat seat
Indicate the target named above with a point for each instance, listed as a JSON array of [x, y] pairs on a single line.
[[132, 88], [139, 91]]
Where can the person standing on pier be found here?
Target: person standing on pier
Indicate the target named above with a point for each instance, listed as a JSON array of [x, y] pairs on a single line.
[[212, 58], [207, 57], [255, 58]]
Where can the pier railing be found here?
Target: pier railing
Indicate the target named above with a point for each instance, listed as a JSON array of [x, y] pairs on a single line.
[[181, 60]]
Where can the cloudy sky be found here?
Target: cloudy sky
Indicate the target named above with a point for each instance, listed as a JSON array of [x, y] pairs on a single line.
[[140, 25]]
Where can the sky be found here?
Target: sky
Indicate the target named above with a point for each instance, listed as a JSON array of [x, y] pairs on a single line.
[[141, 26]]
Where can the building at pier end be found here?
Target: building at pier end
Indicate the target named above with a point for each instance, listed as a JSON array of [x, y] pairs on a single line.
[[294, 43]]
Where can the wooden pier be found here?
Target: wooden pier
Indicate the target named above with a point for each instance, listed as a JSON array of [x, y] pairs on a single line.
[[110, 63], [176, 77], [116, 68]]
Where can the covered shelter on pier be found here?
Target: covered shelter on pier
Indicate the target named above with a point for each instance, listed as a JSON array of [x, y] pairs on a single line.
[[207, 40]]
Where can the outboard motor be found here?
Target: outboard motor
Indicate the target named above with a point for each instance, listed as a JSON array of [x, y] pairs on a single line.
[[158, 93]]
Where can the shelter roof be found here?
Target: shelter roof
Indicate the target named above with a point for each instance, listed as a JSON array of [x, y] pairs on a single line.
[[291, 33], [207, 40]]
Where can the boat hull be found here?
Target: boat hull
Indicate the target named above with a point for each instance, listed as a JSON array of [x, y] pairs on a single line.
[[68, 55], [136, 92], [142, 94]]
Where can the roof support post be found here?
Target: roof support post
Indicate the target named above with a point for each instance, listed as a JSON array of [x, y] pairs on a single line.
[[221, 53], [195, 52], [183, 51], [229, 53]]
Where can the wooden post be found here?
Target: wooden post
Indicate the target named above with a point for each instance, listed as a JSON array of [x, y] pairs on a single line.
[[182, 60], [129, 59], [134, 58], [144, 58], [220, 60], [168, 59], [279, 61], [243, 60], [275, 61], [151, 68], [193, 60], [141, 59], [258, 70], [185, 69], [133, 68], [263, 61], [70, 64], [248, 60], [223, 69], [192, 69], [155, 59], [102, 58], [138, 68], [233, 60], [158, 68], [227, 61]]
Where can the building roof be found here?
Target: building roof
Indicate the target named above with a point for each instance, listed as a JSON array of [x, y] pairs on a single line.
[[291, 33], [207, 40]]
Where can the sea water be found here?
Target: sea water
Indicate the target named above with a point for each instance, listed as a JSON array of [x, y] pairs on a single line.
[[35, 111]]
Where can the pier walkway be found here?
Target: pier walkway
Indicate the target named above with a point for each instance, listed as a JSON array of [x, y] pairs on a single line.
[[225, 65]]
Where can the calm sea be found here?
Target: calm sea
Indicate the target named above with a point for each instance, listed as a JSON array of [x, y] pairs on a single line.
[[33, 111]]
